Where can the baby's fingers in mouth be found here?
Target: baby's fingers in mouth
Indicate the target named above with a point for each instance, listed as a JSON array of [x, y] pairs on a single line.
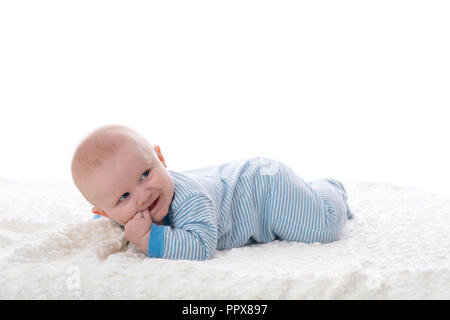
[[146, 213]]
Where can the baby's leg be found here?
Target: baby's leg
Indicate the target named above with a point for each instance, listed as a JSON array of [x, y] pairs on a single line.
[[341, 190], [336, 210], [307, 212]]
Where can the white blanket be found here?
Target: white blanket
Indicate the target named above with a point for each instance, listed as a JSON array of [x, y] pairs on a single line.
[[396, 247]]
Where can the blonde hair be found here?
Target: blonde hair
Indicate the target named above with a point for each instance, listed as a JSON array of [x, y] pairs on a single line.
[[98, 146]]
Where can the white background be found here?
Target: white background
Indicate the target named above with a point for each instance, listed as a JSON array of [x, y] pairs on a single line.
[[356, 90]]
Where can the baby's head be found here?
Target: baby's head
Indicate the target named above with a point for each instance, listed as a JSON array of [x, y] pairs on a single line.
[[120, 173]]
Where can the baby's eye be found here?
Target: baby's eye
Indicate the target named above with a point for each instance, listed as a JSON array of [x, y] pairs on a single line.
[[124, 196], [145, 174]]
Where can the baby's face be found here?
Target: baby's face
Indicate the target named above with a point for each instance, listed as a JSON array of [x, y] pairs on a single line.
[[130, 181]]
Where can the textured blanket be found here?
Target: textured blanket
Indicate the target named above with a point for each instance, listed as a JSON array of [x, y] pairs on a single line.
[[396, 247]]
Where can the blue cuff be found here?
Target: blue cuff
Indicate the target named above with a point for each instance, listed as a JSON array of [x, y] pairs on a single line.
[[155, 241]]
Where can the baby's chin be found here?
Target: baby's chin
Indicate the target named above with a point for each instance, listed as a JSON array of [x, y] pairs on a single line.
[[160, 210], [159, 217]]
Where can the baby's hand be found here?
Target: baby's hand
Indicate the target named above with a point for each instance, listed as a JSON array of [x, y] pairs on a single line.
[[137, 230]]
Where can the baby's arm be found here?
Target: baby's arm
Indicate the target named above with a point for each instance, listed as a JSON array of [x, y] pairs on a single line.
[[193, 235], [137, 230]]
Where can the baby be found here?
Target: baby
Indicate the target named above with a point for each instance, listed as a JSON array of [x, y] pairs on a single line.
[[190, 214]]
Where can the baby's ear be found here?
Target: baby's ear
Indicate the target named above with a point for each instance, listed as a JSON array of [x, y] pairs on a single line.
[[99, 211], [160, 156]]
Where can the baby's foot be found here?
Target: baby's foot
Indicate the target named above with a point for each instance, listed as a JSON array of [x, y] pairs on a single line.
[[340, 186]]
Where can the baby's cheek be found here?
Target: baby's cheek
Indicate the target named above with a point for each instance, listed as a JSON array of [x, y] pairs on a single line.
[[121, 219]]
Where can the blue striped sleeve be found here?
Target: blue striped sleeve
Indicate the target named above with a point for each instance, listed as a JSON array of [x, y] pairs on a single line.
[[194, 232]]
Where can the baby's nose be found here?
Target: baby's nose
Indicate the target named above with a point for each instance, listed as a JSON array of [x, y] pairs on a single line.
[[143, 197]]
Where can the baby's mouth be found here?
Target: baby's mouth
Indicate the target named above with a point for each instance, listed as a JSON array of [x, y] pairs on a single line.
[[153, 204]]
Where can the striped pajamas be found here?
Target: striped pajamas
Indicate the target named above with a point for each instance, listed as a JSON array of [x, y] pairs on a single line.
[[244, 202]]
